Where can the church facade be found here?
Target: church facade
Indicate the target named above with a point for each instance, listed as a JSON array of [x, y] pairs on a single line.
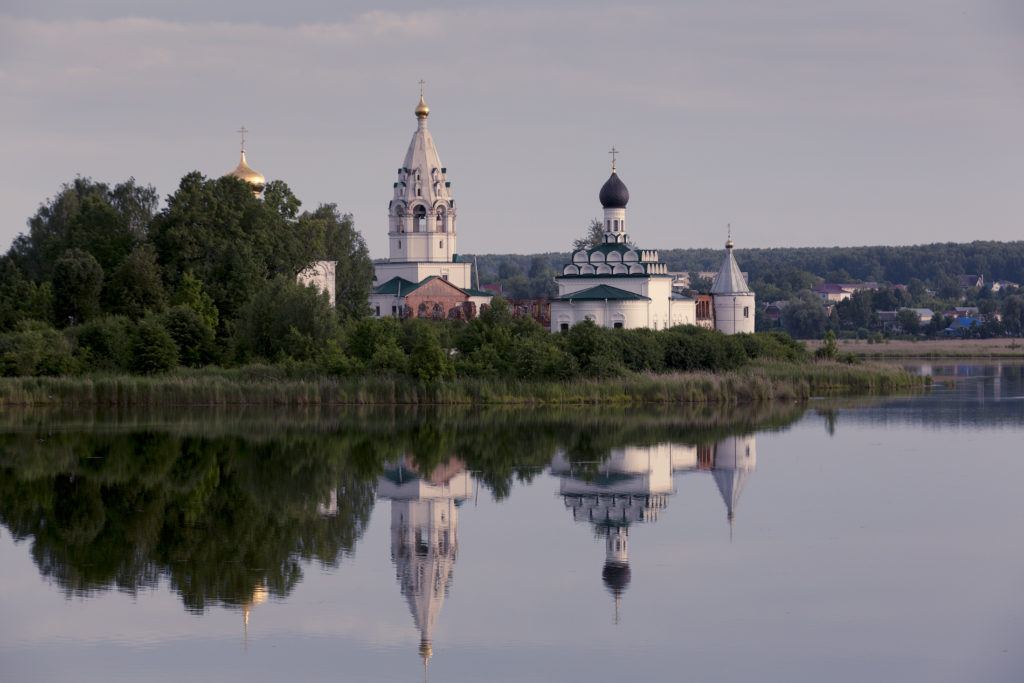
[[423, 276], [616, 284]]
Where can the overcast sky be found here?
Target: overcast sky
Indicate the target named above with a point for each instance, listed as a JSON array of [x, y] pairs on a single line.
[[801, 123]]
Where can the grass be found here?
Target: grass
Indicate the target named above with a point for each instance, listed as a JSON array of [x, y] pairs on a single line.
[[931, 348], [270, 386]]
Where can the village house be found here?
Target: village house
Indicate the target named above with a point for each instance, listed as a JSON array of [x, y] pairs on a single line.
[[835, 292]]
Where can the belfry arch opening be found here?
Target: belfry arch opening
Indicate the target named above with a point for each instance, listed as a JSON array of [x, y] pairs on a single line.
[[419, 219]]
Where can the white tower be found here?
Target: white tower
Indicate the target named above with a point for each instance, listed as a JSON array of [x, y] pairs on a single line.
[[421, 215], [733, 300], [614, 196]]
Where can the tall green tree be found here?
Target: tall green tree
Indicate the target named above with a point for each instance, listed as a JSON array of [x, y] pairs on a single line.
[[341, 242], [804, 317], [103, 221], [136, 285], [77, 282], [229, 239]]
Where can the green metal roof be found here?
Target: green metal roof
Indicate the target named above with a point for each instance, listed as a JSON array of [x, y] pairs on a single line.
[[398, 285], [602, 293]]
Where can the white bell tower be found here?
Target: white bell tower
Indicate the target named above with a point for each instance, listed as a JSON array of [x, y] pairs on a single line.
[[421, 215]]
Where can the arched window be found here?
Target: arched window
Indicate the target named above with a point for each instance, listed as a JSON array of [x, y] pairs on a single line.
[[442, 226], [419, 219]]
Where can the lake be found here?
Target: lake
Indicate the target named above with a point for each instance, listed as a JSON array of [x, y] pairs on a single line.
[[842, 540]]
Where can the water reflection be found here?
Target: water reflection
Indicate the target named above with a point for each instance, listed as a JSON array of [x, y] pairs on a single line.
[[228, 511], [425, 535], [632, 485]]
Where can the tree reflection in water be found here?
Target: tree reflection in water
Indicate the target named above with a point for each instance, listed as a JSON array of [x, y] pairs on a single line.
[[229, 508]]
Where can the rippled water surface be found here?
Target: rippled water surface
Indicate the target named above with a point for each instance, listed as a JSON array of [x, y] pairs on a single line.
[[862, 539]]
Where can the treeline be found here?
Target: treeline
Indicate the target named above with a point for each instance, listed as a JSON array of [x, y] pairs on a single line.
[[294, 327]]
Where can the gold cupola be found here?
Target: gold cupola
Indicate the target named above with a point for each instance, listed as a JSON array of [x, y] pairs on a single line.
[[422, 110], [245, 172]]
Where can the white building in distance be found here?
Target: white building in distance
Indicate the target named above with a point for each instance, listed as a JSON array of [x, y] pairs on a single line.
[[616, 284]]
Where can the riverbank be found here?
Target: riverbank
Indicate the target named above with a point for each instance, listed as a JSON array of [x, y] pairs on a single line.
[[930, 348], [273, 386]]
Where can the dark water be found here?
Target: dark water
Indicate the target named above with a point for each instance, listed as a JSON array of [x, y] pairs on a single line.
[[875, 539]]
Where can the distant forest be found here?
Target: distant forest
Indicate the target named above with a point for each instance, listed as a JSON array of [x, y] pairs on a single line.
[[777, 272]]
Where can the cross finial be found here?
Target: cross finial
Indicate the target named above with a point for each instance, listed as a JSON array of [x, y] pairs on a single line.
[[421, 88], [613, 152], [728, 227], [243, 130]]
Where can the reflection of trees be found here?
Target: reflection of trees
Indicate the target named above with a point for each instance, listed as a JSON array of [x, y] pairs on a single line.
[[219, 507], [216, 517]]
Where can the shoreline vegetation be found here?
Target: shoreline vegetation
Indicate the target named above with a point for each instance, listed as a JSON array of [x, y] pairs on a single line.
[[1006, 348], [265, 385]]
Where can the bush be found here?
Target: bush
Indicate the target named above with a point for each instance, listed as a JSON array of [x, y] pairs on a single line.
[[153, 348], [193, 336], [35, 348], [593, 348], [689, 348], [286, 320], [105, 343], [427, 360]]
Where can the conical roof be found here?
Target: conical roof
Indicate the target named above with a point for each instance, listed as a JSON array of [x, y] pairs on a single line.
[[730, 278]]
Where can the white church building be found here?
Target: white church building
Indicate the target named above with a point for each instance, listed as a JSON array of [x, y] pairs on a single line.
[[616, 284], [423, 275]]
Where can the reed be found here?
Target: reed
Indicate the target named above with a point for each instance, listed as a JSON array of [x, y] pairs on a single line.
[[271, 386]]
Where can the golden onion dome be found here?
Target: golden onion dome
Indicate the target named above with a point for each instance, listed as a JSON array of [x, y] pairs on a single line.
[[728, 243], [422, 110], [245, 172]]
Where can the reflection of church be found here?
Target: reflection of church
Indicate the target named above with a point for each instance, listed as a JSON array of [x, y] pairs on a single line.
[[425, 535], [633, 485]]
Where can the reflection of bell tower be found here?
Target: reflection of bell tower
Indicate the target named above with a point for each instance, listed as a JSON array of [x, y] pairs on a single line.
[[735, 459], [631, 486], [616, 572], [424, 536]]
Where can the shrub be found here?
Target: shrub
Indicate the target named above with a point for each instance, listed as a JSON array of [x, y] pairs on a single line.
[[193, 336], [36, 348], [286, 319], [105, 343], [153, 348]]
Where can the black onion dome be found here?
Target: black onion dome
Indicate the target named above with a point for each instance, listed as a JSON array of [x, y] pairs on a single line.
[[616, 577], [614, 194]]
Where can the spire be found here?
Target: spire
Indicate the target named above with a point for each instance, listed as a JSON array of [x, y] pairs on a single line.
[[730, 278]]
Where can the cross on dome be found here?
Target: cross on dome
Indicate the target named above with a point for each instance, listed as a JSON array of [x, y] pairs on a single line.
[[243, 130], [613, 152]]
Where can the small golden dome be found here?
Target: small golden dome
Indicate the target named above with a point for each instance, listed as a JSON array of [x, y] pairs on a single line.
[[245, 172], [728, 243], [422, 110]]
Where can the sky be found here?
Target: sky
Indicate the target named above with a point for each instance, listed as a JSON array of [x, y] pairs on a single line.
[[798, 123]]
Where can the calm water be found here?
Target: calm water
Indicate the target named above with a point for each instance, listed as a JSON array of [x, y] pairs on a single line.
[[876, 539]]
